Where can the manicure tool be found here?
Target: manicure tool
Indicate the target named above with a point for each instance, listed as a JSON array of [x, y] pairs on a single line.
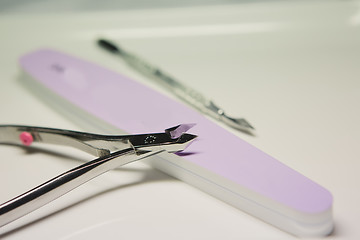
[[220, 163], [191, 96], [112, 151]]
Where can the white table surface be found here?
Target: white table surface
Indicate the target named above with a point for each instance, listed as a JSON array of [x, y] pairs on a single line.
[[291, 68]]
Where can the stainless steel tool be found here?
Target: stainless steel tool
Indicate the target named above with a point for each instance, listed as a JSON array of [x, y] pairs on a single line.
[[112, 151], [185, 93]]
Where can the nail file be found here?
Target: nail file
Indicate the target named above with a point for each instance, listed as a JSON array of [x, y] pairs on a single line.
[[218, 163]]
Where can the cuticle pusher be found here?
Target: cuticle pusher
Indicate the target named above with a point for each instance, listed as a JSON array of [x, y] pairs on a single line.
[[185, 93]]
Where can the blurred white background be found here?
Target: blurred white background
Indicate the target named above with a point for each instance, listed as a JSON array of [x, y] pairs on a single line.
[[292, 68]]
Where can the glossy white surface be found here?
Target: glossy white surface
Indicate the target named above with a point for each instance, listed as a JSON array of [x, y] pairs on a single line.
[[290, 68]]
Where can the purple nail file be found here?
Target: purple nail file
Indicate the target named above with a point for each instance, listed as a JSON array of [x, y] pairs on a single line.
[[219, 162]]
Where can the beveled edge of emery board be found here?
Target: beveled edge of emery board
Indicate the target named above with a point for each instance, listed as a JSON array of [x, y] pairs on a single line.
[[303, 225], [290, 220]]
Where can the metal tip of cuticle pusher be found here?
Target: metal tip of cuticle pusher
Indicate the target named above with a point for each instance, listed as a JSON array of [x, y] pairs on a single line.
[[238, 123]]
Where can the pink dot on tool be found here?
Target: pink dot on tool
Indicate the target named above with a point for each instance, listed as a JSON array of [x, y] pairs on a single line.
[[26, 138]]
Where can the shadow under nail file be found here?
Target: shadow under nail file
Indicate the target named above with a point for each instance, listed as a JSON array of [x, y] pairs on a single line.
[[221, 163]]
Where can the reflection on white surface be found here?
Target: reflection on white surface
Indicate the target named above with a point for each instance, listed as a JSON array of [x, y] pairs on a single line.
[[41, 6], [184, 31], [355, 19]]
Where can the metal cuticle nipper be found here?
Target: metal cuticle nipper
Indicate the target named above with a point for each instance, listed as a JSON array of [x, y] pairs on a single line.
[[112, 151]]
